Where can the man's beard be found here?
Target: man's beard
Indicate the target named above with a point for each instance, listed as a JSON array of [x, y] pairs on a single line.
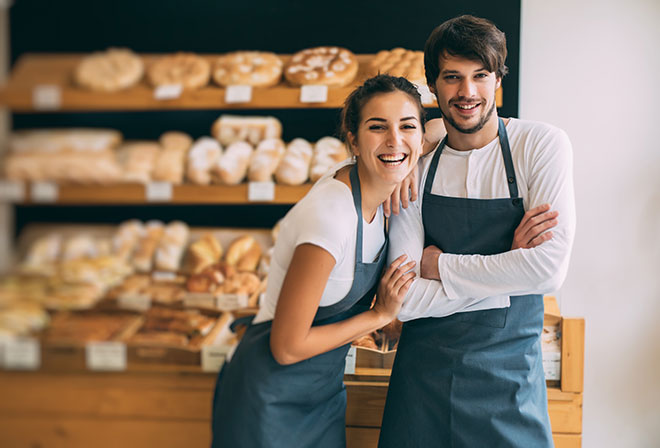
[[476, 128]]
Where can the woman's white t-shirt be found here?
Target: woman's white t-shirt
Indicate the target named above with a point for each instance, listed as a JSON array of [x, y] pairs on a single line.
[[325, 217]]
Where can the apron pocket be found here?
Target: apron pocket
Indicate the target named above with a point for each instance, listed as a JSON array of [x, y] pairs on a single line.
[[495, 318]]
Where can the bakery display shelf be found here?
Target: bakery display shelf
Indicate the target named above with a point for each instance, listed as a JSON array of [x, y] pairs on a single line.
[[44, 82], [127, 194]]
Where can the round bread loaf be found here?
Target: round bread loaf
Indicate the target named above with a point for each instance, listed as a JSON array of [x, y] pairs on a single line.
[[331, 66], [187, 69], [250, 68], [109, 71]]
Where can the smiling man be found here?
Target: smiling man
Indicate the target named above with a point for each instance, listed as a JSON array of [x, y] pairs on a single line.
[[468, 371]]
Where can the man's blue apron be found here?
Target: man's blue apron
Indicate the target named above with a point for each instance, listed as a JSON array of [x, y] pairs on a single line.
[[472, 379], [260, 403]]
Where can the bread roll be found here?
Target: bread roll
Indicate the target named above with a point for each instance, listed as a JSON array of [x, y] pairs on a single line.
[[294, 167], [203, 155], [327, 153], [244, 253], [170, 163], [137, 160], [204, 252], [235, 128], [233, 165], [171, 246], [265, 160]]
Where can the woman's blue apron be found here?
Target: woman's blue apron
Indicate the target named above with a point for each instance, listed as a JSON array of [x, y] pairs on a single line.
[[260, 403], [472, 379]]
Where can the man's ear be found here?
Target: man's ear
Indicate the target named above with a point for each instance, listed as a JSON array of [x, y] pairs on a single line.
[[498, 83], [432, 89]]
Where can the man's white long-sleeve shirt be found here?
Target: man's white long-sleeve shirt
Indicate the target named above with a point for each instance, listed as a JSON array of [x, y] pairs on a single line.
[[542, 159]]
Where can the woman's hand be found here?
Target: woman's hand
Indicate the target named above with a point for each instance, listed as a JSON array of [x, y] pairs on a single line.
[[393, 287], [403, 194], [530, 231]]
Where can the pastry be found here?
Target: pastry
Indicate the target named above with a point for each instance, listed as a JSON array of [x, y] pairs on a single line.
[[332, 66], [137, 160], [204, 252], [294, 167], [400, 62], [170, 163], [233, 165], [109, 71], [250, 68], [186, 69], [243, 283], [244, 253], [235, 128], [171, 246], [366, 341], [328, 151], [265, 160], [210, 278], [203, 155]]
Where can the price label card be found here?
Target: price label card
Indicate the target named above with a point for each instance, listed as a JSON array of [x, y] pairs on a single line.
[[163, 276], [105, 356], [238, 94], [135, 302], [552, 365], [426, 96], [230, 302], [22, 354], [44, 192], [199, 300], [261, 191], [12, 191], [46, 97], [351, 357], [213, 357], [168, 92], [158, 192], [313, 94]]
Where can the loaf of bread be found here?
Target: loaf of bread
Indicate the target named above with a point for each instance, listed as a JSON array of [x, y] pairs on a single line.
[[185, 69], [233, 165], [79, 246], [170, 163], [144, 253], [127, 237], [244, 283], [265, 160], [203, 155], [328, 151], [109, 71], [249, 68], [204, 252], [235, 128], [210, 278], [171, 246], [244, 253], [332, 66], [294, 167], [137, 160], [400, 62]]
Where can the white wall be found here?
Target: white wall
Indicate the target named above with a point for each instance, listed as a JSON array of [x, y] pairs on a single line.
[[593, 68]]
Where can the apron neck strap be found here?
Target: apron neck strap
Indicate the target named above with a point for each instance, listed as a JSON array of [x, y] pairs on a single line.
[[357, 201], [506, 155]]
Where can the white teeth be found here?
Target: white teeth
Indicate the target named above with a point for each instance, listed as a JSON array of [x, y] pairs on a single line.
[[392, 158], [468, 107]]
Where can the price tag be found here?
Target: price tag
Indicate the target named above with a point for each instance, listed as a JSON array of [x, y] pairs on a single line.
[[44, 192], [261, 191], [199, 300], [238, 94], [426, 96], [22, 354], [12, 191], [313, 94], [46, 97], [230, 302], [213, 357], [552, 365], [168, 92], [135, 302], [105, 356], [158, 192], [351, 357], [163, 276]]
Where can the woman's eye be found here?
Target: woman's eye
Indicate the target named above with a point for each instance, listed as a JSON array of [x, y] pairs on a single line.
[[408, 126], [376, 127]]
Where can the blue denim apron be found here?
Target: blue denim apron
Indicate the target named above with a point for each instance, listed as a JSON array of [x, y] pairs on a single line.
[[472, 379], [260, 403]]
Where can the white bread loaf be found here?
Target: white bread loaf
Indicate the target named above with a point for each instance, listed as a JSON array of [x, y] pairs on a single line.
[[233, 165], [294, 167], [234, 128], [203, 155], [328, 151], [265, 159]]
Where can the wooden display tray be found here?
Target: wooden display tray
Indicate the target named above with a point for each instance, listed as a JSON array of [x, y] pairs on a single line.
[[37, 69], [133, 193]]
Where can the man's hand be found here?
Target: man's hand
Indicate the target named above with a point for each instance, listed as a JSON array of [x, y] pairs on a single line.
[[535, 221], [429, 266], [403, 194]]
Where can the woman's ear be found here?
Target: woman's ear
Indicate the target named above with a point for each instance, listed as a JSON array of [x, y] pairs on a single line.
[[352, 143]]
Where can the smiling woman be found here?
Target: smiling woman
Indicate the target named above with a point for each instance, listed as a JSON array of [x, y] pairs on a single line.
[[284, 385]]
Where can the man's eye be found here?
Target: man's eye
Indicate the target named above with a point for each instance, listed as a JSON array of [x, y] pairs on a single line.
[[481, 75], [451, 77]]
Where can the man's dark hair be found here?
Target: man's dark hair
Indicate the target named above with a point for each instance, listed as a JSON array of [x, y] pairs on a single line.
[[466, 36]]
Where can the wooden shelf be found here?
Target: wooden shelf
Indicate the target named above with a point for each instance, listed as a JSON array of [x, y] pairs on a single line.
[[36, 69], [127, 194]]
